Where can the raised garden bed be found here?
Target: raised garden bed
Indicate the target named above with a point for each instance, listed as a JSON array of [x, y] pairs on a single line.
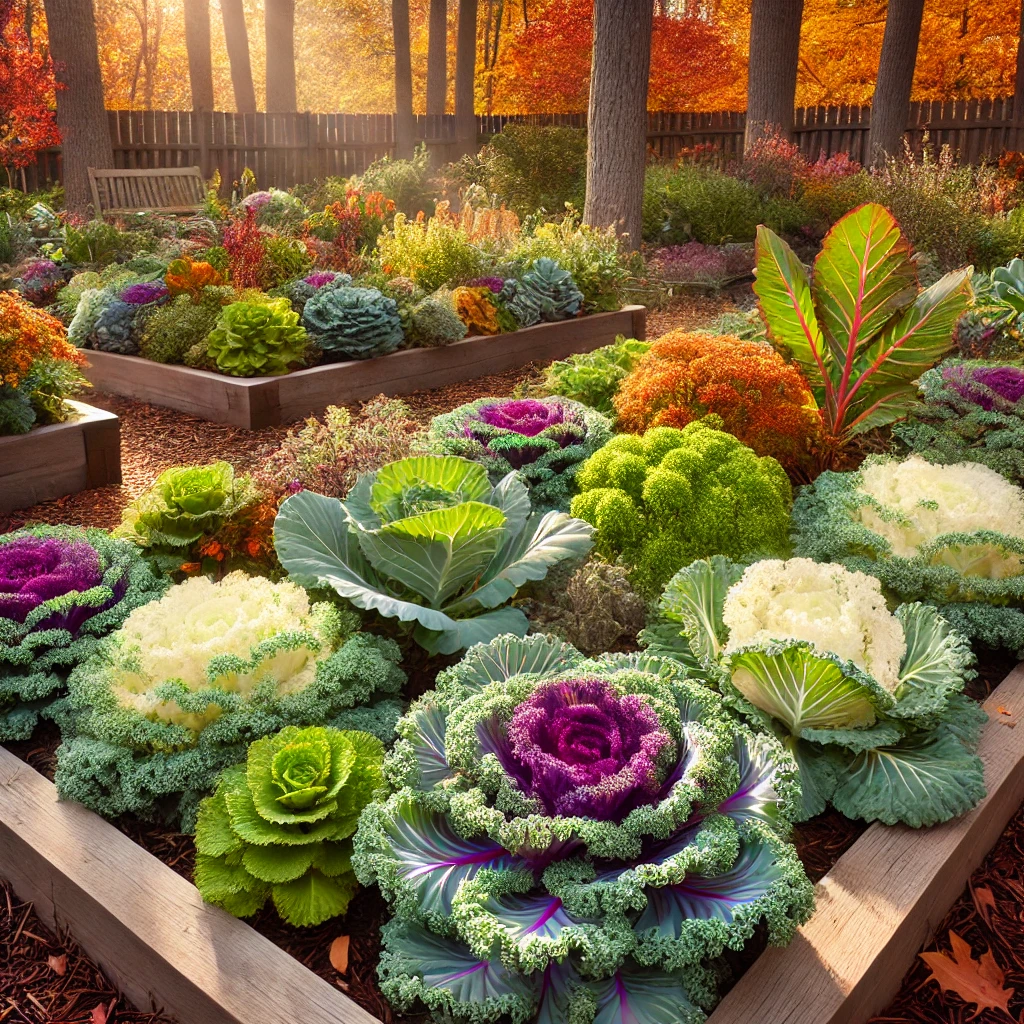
[[255, 402], [149, 929], [64, 458]]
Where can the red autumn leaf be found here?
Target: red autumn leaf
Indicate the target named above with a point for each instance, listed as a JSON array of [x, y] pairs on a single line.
[[339, 953], [984, 903], [99, 1014], [58, 964], [974, 981]]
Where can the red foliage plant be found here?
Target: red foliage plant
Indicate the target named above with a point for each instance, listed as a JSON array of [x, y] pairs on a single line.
[[762, 400], [246, 250]]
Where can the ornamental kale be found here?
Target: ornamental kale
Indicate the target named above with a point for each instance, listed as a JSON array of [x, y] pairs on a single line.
[[971, 411], [279, 826], [61, 590], [39, 281], [563, 836], [545, 292], [546, 440], [664, 498], [429, 541], [145, 292], [593, 378], [256, 339], [434, 322], [188, 682], [353, 323], [869, 703], [952, 536]]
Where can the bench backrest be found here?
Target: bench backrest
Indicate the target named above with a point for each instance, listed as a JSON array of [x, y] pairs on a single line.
[[167, 189]]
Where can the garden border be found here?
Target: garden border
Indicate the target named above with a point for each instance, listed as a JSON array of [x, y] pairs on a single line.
[[60, 459], [255, 402], [150, 931]]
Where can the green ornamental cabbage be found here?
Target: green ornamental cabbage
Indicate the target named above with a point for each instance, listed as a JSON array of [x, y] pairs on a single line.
[[664, 498], [545, 292], [279, 826], [257, 339], [353, 323], [868, 702], [428, 540]]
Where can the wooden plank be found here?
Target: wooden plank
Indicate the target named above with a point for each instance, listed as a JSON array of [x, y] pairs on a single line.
[[884, 898], [145, 925]]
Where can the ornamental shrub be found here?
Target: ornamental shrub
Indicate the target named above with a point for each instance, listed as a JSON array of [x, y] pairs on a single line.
[[185, 276], [181, 324], [39, 280], [593, 378], [546, 292], [433, 322], [189, 681], [257, 339], [952, 536], [477, 309], [61, 590], [545, 440], [276, 209], [285, 259], [434, 253], [762, 400], [572, 831], [661, 499], [353, 323], [279, 826]]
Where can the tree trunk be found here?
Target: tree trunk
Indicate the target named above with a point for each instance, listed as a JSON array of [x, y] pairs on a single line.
[[617, 117], [279, 24], [891, 102], [771, 80], [200, 62], [81, 116], [437, 58], [465, 77], [405, 122], [1018, 87], [237, 39]]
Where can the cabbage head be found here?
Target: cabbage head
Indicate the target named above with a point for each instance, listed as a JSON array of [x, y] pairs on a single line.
[[869, 703], [427, 540], [257, 339]]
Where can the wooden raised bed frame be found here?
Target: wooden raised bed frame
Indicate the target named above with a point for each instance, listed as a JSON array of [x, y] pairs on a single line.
[[64, 458], [148, 928], [254, 402]]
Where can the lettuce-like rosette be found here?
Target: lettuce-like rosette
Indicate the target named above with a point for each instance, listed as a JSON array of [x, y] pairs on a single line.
[[570, 840], [869, 703], [949, 535], [429, 541], [61, 590], [180, 690]]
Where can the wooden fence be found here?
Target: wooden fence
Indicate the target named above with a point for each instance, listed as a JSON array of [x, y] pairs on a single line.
[[284, 149]]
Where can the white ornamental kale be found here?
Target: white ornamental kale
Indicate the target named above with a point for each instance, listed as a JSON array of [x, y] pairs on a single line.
[[567, 839], [868, 702]]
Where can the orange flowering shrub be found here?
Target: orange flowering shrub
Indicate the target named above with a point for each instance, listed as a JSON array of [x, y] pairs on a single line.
[[762, 400], [186, 276], [476, 310]]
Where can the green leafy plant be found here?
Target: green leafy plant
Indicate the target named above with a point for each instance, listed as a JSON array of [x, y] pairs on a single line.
[[433, 253], [181, 324], [353, 323], [428, 541], [434, 322], [858, 328], [405, 182], [285, 258], [279, 826], [868, 702], [253, 339], [593, 378], [546, 292]]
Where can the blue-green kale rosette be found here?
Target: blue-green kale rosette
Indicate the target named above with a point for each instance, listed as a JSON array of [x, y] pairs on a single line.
[[61, 590], [565, 840]]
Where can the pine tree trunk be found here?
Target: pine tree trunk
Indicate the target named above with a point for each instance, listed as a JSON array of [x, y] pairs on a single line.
[[617, 117], [279, 25], [437, 57], [771, 81], [237, 39], [81, 116], [465, 77], [405, 123], [891, 102], [200, 61]]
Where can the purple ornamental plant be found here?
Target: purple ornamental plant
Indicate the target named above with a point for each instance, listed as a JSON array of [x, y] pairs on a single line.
[[526, 416], [320, 277], [984, 386], [495, 284], [144, 293]]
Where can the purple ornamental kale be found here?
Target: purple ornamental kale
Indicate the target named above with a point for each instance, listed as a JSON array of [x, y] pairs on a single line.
[[37, 569], [144, 293], [1005, 381], [581, 749], [256, 200], [495, 284], [526, 416], [320, 278]]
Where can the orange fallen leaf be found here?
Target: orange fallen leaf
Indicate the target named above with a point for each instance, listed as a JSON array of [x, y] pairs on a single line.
[[974, 981], [339, 954], [58, 964], [984, 903], [99, 1014], [1003, 710]]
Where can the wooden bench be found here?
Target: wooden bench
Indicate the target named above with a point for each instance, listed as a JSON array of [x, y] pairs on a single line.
[[161, 189]]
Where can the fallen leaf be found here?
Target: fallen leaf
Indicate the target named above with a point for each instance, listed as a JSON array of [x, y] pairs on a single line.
[[984, 903], [99, 1014], [58, 964], [339, 954], [974, 981], [1003, 710]]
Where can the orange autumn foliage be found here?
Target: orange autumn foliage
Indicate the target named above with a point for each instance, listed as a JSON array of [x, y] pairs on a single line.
[[28, 334], [762, 400], [186, 276], [476, 310]]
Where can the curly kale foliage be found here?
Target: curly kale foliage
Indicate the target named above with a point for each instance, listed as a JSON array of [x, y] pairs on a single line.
[[948, 535], [593, 378], [178, 693], [353, 323], [279, 826], [662, 499], [545, 292], [544, 440], [970, 411], [180, 324], [255, 339], [899, 749], [434, 322], [61, 590], [569, 829]]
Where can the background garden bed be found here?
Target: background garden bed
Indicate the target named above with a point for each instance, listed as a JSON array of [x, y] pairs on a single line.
[[257, 402]]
